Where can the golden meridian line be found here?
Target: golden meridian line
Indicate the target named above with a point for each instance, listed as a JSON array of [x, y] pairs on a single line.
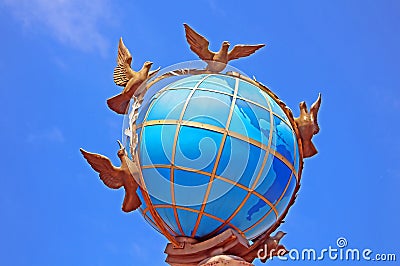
[[168, 87], [291, 174], [280, 197], [229, 133], [248, 190], [210, 90], [284, 121], [200, 88], [172, 172], [268, 102], [148, 123], [227, 180], [286, 162], [157, 219], [295, 145], [140, 125], [220, 92], [222, 130], [220, 149], [159, 206], [275, 205], [169, 227], [255, 142], [147, 218], [272, 206], [249, 193], [228, 94], [256, 84], [171, 121]]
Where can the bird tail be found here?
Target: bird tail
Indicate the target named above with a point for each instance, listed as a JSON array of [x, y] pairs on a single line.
[[131, 202], [309, 149], [119, 103]]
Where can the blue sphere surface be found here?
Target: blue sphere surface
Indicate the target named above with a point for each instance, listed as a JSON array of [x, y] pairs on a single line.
[[216, 152]]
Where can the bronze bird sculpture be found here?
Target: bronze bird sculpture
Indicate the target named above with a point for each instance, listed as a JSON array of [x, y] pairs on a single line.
[[116, 177], [124, 76], [216, 62], [307, 124]]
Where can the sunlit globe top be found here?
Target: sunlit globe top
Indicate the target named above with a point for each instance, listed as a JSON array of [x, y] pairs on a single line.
[[216, 152]]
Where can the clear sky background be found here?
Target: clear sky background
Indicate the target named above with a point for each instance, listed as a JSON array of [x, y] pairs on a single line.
[[56, 64]]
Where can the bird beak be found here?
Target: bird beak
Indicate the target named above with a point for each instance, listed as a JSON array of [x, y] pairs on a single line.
[[120, 145]]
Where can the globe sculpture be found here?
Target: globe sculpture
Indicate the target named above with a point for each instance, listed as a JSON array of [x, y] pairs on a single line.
[[216, 152], [210, 157]]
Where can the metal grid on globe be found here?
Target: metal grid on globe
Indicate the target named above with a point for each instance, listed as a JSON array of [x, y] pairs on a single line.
[[249, 125]]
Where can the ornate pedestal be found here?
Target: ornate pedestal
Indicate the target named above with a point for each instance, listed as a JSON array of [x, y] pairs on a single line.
[[227, 248]]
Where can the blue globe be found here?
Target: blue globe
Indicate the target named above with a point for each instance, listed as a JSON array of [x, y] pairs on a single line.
[[216, 152]]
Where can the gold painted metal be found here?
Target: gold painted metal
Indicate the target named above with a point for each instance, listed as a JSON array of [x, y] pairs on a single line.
[[307, 123], [157, 219], [171, 231], [228, 94], [268, 213], [216, 62], [223, 131], [172, 181], [147, 218], [268, 149], [161, 225], [144, 213], [280, 197], [210, 251], [125, 76], [251, 192], [135, 85], [234, 134], [167, 206], [117, 177], [218, 157], [289, 114], [273, 208]]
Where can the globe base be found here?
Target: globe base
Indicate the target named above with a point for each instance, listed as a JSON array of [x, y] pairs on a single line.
[[213, 251]]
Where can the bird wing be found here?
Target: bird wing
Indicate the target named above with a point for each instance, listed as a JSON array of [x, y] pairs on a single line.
[[314, 112], [124, 60], [198, 43], [241, 50], [153, 73], [107, 172]]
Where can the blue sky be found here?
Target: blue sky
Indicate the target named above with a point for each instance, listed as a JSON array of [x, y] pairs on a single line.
[[56, 64]]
